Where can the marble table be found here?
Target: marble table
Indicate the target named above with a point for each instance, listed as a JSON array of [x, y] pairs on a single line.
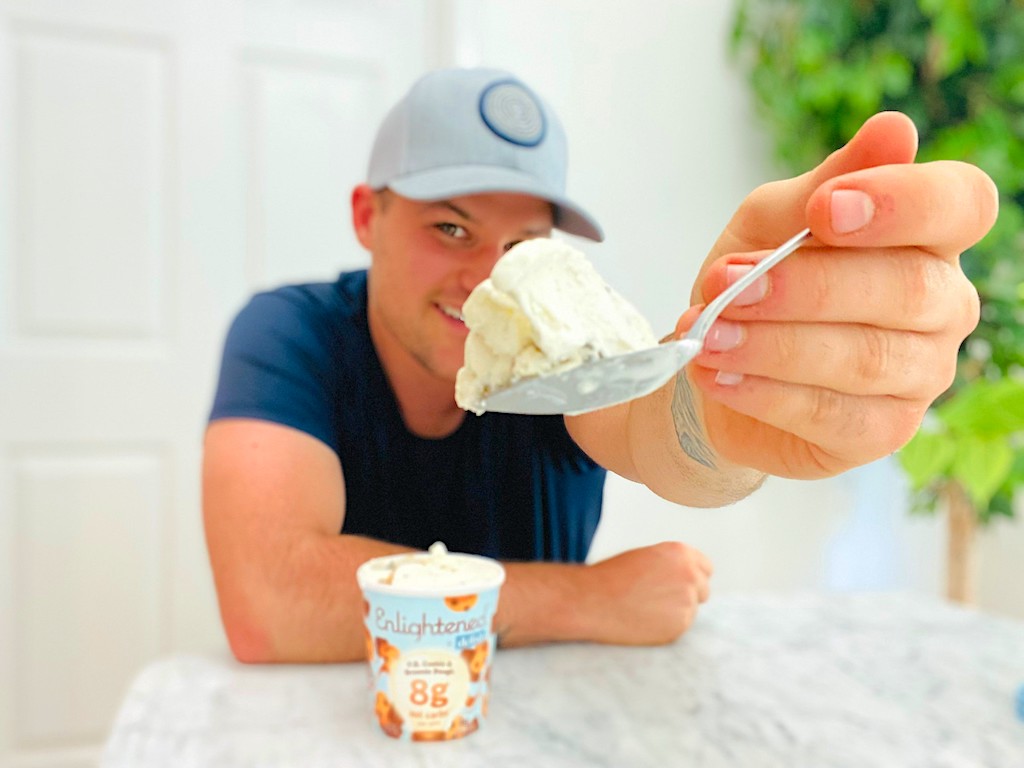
[[862, 681]]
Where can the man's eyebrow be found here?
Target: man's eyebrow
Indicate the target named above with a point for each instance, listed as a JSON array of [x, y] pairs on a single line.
[[539, 231], [452, 207]]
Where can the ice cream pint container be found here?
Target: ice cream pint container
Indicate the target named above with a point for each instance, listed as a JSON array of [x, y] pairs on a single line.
[[430, 638]]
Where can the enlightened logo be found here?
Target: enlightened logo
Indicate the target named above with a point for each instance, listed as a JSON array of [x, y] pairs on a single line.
[[402, 624], [512, 112]]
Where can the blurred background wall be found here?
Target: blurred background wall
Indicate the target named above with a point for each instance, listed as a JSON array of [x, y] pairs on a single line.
[[160, 161]]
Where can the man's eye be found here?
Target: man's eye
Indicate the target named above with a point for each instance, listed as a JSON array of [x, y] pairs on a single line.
[[452, 230], [513, 244]]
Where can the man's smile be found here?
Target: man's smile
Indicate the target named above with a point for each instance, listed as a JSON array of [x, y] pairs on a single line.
[[452, 312]]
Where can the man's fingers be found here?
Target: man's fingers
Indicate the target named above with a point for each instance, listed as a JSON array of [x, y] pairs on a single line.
[[944, 206], [834, 357], [774, 212], [866, 194], [703, 591], [810, 427], [899, 288], [703, 562], [887, 138], [849, 358], [700, 578]]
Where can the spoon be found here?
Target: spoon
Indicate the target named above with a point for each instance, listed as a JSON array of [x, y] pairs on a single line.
[[617, 379]]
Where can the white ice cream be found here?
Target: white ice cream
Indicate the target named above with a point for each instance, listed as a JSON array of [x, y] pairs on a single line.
[[544, 309], [436, 569]]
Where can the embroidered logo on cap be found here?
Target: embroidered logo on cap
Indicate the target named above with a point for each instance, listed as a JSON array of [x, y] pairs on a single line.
[[513, 113]]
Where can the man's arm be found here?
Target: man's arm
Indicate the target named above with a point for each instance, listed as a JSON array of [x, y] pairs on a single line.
[[273, 506], [835, 355], [660, 441]]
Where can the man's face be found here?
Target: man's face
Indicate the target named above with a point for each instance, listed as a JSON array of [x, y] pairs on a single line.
[[427, 257]]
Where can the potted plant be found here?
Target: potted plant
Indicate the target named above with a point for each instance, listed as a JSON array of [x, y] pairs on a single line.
[[817, 70]]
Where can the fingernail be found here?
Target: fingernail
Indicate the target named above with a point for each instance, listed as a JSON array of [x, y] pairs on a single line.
[[851, 210], [727, 379], [754, 292], [723, 336]]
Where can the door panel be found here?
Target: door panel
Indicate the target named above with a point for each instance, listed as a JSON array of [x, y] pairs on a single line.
[[158, 162]]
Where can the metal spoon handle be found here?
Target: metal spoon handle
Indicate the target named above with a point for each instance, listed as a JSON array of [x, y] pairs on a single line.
[[714, 309]]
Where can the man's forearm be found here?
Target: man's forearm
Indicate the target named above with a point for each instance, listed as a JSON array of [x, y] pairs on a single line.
[[673, 455], [729, 483], [544, 602], [305, 607], [309, 609], [660, 441]]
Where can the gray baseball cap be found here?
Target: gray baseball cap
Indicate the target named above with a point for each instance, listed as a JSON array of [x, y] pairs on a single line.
[[468, 131]]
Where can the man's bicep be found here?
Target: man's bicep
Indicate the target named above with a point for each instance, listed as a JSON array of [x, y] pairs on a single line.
[[269, 492], [264, 487]]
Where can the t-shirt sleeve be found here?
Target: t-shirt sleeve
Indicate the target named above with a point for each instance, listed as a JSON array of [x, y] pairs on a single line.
[[275, 366], [563, 449]]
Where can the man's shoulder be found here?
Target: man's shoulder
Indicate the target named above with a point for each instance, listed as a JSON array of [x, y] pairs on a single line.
[[306, 310], [305, 321], [344, 297], [285, 350]]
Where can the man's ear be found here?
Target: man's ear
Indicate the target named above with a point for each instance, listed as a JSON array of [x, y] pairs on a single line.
[[364, 210]]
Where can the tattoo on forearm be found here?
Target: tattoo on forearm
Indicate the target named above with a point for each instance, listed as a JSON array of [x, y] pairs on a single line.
[[689, 431]]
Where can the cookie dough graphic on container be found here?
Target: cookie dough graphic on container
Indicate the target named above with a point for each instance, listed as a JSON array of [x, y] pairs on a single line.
[[429, 636], [460, 602]]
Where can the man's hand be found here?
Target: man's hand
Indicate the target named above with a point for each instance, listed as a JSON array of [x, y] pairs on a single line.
[[834, 357], [646, 596]]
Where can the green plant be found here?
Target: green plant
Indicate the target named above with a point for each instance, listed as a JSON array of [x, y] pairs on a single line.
[[818, 69], [974, 439]]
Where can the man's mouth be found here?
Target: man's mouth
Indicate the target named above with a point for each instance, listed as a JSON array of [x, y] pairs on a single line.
[[452, 312]]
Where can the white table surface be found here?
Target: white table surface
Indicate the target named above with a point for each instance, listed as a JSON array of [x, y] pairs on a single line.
[[818, 681]]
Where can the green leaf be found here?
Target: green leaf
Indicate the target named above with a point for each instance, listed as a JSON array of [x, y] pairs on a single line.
[[931, 7], [926, 457], [1015, 477], [985, 408], [981, 465], [895, 72]]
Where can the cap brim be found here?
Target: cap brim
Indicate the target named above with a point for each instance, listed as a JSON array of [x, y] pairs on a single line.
[[442, 183]]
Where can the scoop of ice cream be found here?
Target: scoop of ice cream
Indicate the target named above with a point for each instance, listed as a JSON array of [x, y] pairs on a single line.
[[544, 309], [433, 570]]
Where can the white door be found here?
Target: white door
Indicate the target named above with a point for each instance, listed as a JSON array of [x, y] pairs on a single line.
[[158, 161]]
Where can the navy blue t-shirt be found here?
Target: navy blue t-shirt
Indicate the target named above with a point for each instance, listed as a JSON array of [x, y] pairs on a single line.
[[511, 487]]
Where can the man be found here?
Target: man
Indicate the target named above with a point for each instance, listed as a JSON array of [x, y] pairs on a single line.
[[335, 436]]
